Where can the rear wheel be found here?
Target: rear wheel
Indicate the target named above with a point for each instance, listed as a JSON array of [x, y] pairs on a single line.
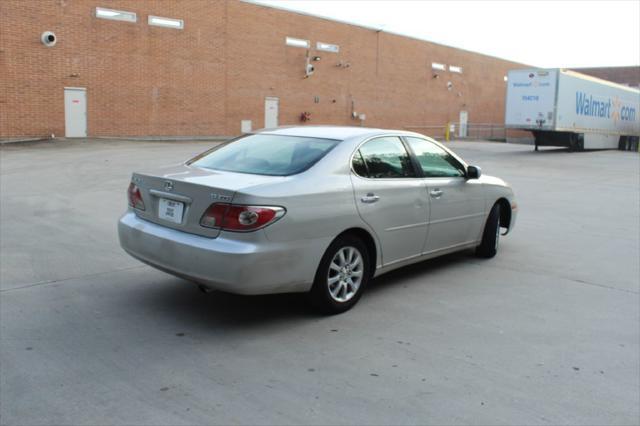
[[576, 142], [341, 276], [622, 143], [491, 235], [573, 143]]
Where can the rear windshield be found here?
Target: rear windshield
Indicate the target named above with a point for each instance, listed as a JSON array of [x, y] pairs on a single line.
[[274, 155]]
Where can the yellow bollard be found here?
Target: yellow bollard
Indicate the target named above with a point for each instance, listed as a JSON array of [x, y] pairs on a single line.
[[446, 132]]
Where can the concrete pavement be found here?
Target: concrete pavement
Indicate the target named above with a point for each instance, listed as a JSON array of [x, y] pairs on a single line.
[[545, 333]]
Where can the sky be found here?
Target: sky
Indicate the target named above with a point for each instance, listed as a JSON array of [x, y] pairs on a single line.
[[550, 34]]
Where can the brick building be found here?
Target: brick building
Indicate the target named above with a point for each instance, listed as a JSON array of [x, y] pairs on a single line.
[[201, 68], [629, 76]]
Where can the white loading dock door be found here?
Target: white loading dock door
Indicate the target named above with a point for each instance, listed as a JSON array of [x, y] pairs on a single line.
[[75, 112], [270, 113]]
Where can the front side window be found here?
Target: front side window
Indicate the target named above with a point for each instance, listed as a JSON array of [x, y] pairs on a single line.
[[382, 158], [435, 161], [273, 155]]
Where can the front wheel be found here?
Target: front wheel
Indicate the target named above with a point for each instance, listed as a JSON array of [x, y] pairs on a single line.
[[491, 236], [341, 276]]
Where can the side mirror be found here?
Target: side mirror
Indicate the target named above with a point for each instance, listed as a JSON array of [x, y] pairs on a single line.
[[473, 172]]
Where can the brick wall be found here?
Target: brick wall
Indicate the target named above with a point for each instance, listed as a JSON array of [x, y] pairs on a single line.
[[629, 76], [151, 81]]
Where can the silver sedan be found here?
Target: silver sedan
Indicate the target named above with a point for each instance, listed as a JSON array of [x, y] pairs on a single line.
[[317, 209]]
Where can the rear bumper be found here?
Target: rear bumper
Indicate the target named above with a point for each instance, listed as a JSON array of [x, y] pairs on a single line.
[[243, 267]]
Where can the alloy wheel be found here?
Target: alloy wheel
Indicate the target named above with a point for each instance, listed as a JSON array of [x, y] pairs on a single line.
[[345, 274]]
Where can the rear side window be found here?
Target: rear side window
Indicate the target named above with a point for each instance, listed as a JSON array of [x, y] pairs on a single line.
[[435, 161], [273, 155], [383, 158]]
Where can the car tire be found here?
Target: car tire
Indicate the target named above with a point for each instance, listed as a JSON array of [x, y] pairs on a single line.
[[342, 275], [491, 236]]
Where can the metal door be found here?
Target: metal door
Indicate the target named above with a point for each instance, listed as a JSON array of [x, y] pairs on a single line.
[[397, 209], [457, 206], [456, 203], [270, 113], [462, 129], [75, 112]]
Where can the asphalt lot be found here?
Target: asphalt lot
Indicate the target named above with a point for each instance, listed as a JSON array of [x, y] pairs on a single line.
[[545, 333]]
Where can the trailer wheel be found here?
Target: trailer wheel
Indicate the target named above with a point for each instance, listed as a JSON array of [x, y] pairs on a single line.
[[572, 143], [576, 142]]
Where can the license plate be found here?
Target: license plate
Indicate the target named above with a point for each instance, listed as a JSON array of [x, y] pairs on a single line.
[[170, 210]]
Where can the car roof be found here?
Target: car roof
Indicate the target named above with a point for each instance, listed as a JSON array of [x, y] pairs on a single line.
[[327, 132]]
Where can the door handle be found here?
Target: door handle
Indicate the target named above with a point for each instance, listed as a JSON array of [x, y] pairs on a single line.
[[436, 193], [369, 198]]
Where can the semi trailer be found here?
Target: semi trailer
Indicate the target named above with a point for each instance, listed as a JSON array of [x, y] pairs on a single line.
[[566, 108]]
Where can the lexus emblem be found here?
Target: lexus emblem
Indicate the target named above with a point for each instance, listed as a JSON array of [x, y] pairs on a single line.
[[168, 185]]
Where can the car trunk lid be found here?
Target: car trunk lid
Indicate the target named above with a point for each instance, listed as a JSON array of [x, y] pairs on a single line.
[[177, 196]]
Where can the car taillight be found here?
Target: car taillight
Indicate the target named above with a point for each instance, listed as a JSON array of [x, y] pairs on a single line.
[[214, 216], [135, 197], [232, 217]]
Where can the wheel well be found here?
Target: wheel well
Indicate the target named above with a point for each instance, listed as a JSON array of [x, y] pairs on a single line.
[[505, 212], [368, 241]]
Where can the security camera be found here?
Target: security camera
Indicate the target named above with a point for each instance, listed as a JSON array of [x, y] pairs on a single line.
[[309, 69], [48, 38]]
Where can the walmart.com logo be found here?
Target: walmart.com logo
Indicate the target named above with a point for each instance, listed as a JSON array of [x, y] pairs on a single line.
[[614, 109]]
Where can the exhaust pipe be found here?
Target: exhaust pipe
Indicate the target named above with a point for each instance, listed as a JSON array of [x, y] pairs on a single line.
[[203, 288]]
